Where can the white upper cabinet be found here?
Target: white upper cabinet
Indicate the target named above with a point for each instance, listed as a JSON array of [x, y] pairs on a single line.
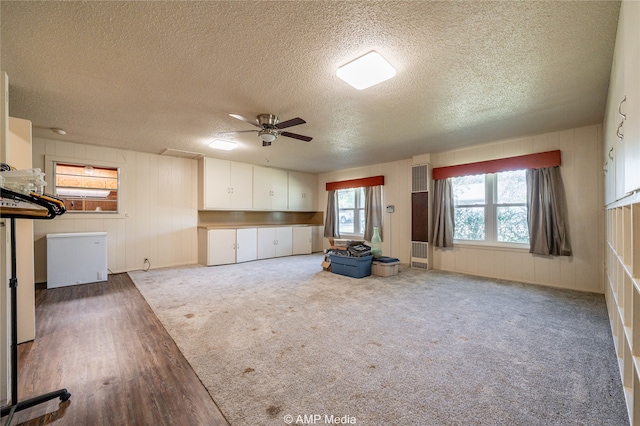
[[630, 21], [622, 116], [269, 189], [229, 185], [302, 192], [225, 184]]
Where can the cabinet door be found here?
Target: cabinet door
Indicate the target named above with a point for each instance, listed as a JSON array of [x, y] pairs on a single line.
[[216, 185], [630, 14], [302, 191], [266, 243], [222, 246], [270, 189], [317, 238], [613, 158], [279, 190], [246, 244], [241, 183], [302, 239], [261, 188], [284, 241]]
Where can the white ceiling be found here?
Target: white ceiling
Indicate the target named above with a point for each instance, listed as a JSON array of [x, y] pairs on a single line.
[[148, 76]]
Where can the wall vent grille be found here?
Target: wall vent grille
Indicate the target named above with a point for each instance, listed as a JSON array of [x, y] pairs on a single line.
[[419, 178], [419, 250], [419, 265]]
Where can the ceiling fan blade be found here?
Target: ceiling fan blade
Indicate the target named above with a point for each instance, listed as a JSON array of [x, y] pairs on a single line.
[[293, 122], [296, 136], [246, 120]]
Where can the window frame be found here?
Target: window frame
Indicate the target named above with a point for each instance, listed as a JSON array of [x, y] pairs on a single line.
[[490, 207], [50, 178], [359, 201]]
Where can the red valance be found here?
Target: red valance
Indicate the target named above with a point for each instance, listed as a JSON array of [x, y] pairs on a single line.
[[355, 183], [531, 161]]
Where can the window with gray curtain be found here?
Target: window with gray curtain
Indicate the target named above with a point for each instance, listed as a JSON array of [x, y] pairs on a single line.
[[372, 211], [354, 207], [443, 213], [330, 220], [547, 212]]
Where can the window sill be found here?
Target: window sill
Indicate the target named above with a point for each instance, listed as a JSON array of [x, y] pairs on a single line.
[[91, 215], [498, 247], [353, 236]]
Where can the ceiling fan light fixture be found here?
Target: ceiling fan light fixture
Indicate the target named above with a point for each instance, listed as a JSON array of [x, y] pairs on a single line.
[[366, 71], [223, 145], [268, 137]]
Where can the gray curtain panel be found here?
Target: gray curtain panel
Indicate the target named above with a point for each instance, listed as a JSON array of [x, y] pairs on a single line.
[[547, 212], [443, 220], [330, 221], [372, 211]]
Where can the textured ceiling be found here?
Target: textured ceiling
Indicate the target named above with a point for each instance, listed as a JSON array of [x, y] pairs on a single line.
[[148, 76]]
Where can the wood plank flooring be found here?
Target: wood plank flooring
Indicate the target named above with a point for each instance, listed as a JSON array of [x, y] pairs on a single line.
[[104, 344]]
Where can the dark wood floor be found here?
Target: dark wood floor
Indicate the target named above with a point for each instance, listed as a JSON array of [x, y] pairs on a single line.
[[104, 344]]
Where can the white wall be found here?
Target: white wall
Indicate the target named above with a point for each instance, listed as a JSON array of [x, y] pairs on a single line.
[[397, 191], [583, 181], [158, 206]]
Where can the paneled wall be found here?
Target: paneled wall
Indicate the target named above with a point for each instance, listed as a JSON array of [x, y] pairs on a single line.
[[396, 228], [158, 208], [583, 181]]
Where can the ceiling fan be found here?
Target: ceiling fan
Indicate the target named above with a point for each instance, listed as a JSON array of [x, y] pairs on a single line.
[[271, 127]]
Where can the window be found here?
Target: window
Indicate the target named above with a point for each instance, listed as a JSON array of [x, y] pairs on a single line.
[[87, 188], [491, 208], [351, 211]]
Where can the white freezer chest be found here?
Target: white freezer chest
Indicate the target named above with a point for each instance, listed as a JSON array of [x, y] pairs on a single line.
[[76, 258]]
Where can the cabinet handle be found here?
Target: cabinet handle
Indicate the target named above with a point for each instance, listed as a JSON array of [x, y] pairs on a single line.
[[624, 116], [231, 190], [620, 135]]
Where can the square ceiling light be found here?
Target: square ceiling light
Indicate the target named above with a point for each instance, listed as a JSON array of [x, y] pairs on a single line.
[[223, 145], [366, 71]]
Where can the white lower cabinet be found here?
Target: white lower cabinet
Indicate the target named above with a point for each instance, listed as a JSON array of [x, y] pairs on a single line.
[[225, 246], [235, 245], [302, 239], [317, 238], [219, 245], [275, 242], [246, 244]]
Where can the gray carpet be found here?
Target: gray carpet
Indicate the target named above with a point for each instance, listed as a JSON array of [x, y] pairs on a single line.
[[281, 337]]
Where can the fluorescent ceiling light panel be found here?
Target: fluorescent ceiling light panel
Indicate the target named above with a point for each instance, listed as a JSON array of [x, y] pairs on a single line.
[[223, 145], [366, 71], [83, 193]]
